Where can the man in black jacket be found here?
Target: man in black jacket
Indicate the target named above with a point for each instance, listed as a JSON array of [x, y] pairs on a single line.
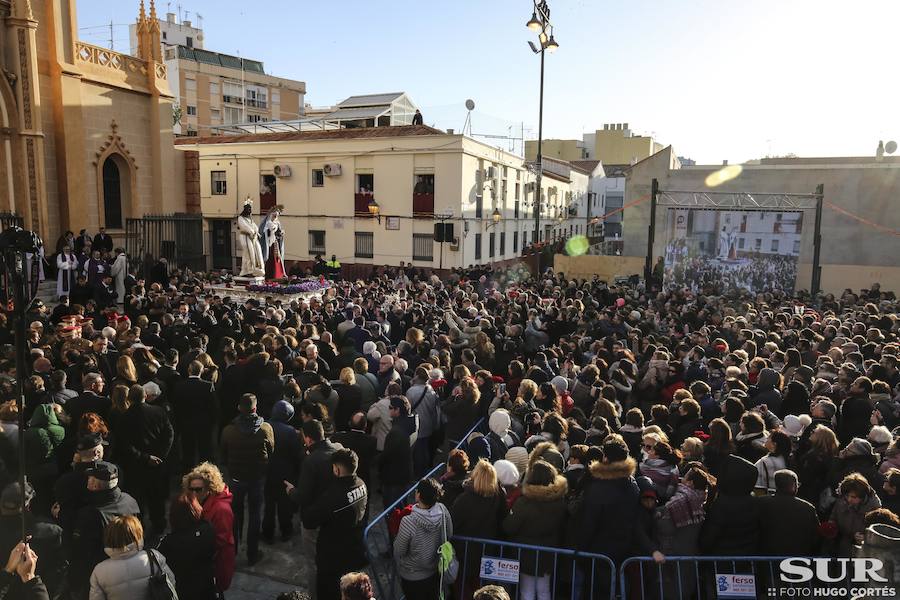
[[105, 502], [789, 526], [362, 443], [90, 401], [731, 527], [145, 435], [102, 241], [316, 474], [70, 489], [339, 514], [195, 409], [395, 462]]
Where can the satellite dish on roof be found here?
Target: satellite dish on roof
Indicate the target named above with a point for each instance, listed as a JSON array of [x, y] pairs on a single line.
[[470, 104], [890, 147]]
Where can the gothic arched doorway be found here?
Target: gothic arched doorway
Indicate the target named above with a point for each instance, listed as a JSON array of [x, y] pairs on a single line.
[[112, 194]]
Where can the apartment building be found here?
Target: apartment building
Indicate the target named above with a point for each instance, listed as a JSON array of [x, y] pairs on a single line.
[[379, 195], [215, 89]]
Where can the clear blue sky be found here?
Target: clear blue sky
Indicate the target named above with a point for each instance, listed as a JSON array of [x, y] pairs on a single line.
[[718, 80]]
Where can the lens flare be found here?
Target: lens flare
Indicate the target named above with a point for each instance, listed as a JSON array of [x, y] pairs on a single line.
[[578, 245], [722, 175]]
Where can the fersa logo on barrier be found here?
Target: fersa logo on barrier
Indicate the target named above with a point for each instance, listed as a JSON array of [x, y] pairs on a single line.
[[805, 570]]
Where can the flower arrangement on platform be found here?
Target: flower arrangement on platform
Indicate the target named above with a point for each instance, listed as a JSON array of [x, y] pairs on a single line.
[[290, 287]]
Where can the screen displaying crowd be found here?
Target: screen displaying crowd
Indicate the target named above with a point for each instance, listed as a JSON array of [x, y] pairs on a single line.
[[733, 250], [171, 429]]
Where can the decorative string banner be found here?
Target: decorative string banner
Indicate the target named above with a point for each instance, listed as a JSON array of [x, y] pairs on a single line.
[[862, 220]]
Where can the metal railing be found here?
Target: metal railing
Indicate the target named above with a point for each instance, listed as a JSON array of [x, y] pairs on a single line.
[[177, 237], [377, 538], [695, 577], [568, 574]]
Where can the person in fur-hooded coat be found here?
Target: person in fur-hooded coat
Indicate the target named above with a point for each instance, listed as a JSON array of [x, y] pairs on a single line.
[[610, 505]]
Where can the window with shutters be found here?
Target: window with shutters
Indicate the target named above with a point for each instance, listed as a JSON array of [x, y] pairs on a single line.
[[477, 246], [316, 242], [502, 243], [218, 183], [491, 241], [365, 244], [515, 242], [423, 247]]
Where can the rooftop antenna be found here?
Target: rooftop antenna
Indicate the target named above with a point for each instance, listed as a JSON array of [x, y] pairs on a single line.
[[112, 40], [470, 106]]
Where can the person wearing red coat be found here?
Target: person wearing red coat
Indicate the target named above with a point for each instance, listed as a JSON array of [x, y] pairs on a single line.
[[206, 483]]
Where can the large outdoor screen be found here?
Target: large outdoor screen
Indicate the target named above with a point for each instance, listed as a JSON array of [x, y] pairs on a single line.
[[732, 249]]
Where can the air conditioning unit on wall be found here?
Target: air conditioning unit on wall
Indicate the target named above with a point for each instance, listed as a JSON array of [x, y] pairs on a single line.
[[332, 169], [282, 170], [454, 245]]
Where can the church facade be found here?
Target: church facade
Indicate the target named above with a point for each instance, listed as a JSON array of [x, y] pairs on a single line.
[[86, 134]]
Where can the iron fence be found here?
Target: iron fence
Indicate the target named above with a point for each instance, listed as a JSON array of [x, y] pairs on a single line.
[[377, 537], [532, 571], [178, 238], [695, 578]]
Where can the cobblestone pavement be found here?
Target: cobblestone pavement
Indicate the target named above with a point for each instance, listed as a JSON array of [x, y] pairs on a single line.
[[283, 566]]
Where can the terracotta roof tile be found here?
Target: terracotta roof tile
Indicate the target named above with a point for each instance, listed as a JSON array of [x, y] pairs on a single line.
[[329, 134]]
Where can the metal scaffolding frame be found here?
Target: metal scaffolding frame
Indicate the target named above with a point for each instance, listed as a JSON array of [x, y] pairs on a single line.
[[723, 200], [736, 200]]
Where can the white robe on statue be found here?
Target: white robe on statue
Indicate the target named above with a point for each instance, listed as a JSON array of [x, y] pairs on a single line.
[[251, 254], [118, 271], [66, 265]]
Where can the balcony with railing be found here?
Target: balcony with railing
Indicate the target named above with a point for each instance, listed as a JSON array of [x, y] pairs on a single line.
[[257, 103], [361, 204], [109, 66], [423, 205], [232, 99]]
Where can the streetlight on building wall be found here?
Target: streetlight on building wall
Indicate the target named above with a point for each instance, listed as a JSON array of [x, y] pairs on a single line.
[[375, 210], [540, 23]]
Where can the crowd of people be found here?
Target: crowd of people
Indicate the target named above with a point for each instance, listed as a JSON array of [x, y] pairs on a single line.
[[165, 430], [749, 271]]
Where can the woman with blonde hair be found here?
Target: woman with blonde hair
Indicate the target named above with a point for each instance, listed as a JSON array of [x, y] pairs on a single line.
[[349, 399], [813, 466], [206, 484], [125, 573], [126, 372], [484, 350], [119, 405], [480, 509], [478, 512]]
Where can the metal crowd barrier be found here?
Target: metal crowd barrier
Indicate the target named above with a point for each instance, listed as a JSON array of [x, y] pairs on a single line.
[[699, 577], [377, 539], [567, 574]]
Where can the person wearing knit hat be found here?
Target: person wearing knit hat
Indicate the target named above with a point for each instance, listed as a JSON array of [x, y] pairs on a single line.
[[507, 473], [858, 447], [561, 384], [795, 425], [518, 456], [500, 437]]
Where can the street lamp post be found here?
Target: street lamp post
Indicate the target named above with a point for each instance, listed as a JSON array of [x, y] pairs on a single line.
[[540, 22]]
